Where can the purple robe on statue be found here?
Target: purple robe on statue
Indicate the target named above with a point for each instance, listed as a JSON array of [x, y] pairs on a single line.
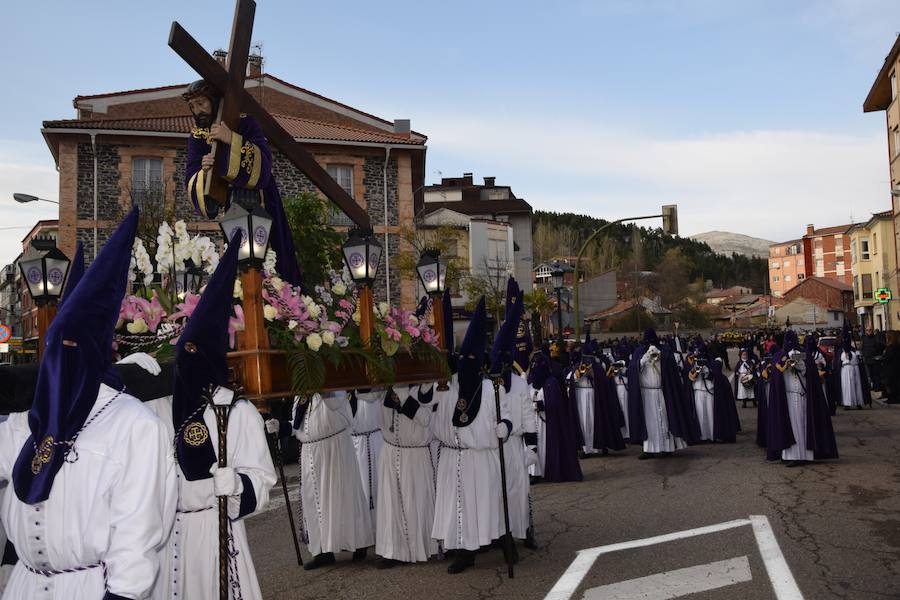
[[247, 170]]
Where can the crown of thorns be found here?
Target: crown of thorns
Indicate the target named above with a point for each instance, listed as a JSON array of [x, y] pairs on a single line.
[[200, 88]]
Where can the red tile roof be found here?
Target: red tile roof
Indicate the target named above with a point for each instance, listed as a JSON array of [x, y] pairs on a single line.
[[830, 230], [181, 125]]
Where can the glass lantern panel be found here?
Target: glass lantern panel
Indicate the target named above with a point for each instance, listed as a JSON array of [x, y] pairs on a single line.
[[33, 273], [374, 260], [262, 227], [355, 257], [56, 275]]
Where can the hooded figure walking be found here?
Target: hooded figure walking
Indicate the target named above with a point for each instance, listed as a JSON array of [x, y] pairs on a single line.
[[798, 427], [91, 495]]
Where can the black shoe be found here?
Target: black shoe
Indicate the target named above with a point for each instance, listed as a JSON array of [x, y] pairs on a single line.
[[464, 559], [320, 560], [605, 451], [360, 554], [530, 543], [744, 404], [387, 563], [792, 463], [668, 454], [646, 456], [859, 407]]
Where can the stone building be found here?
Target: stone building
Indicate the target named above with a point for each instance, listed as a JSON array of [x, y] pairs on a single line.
[[131, 146], [827, 292]]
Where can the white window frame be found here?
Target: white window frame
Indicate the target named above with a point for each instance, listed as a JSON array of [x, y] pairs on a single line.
[[339, 172], [864, 253]]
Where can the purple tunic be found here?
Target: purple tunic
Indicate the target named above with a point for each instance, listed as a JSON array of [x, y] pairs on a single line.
[[248, 167]]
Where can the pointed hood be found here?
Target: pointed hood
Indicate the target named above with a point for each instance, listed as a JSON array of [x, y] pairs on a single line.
[[470, 361], [811, 343], [847, 342], [200, 362], [77, 359], [650, 337], [505, 342], [512, 295], [449, 342], [791, 341], [76, 272]]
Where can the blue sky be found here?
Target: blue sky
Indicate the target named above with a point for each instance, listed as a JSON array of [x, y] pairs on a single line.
[[748, 114]]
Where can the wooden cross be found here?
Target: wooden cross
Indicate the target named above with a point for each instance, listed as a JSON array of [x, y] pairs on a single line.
[[235, 100]]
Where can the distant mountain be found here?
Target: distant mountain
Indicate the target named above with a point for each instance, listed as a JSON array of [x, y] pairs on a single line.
[[725, 242]]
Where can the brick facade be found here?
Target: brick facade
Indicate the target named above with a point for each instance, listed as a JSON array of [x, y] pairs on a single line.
[[826, 293]]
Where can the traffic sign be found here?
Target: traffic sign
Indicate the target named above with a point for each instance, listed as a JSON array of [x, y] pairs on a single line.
[[883, 295], [5, 333]]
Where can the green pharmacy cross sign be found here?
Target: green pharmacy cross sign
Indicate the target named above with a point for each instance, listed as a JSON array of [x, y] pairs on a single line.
[[883, 295]]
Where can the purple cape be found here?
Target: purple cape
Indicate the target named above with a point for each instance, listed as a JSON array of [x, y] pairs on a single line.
[[682, 421], [779, 436], [762, 401], [726, 422], [608, 418], [562, 434]]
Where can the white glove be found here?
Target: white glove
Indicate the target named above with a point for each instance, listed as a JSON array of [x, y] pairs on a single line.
[[144, 361], [502, 431], [273, 426], [531, 457], [226, 481]]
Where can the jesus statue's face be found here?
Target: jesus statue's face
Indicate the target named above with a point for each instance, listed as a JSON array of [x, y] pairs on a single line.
[[201, 108]]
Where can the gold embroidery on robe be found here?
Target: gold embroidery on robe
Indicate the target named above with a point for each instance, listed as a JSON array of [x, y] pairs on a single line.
[[196, 434], [234, 156], [200, 133]]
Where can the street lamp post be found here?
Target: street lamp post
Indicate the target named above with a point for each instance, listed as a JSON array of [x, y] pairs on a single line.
[[557, 279], [362, 253], [45, 277], [669, 216], [23, 198], [433, 275], [251, 230]]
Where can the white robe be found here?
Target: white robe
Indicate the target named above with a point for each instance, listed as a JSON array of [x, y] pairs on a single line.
[[744, 392], [851, 383], [468, 510], [114, 505], [5, 570], [656, 417], [336, 516], [704, 402], [406, 483], [365, 430], [190, 564], [796, 405], [584, 401], [541, 426], [621, 381], [522, 416]]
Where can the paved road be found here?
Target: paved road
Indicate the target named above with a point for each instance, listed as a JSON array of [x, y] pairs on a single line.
[[836, 524]]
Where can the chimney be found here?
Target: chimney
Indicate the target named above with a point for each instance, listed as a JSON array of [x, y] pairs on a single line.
[[254, 65], [490, 181], [810, 229], [402, 127], [467, 179], [221, 56]]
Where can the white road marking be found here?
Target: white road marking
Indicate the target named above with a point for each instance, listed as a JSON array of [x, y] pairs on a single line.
[[677, 583], [783, 582], [571, 579]]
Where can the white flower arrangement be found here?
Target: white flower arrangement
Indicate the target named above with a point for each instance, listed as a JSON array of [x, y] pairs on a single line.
[[140, 263]]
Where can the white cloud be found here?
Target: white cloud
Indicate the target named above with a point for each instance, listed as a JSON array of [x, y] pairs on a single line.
[[768, 184], [24, 167]]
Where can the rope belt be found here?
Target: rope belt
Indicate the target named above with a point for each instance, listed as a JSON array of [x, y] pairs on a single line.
[[457, 448], [53, 573], [364, 433], [321, 439], [408, 447], [195, 510], [367, 435]]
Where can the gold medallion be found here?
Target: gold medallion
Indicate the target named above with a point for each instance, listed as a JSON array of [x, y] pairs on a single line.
[[196, 434], [42, 455], [464, 418], [461, 404]]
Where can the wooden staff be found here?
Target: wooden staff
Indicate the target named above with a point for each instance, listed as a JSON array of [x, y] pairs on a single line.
[[507, 539], [275, 447], [222, 410]]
